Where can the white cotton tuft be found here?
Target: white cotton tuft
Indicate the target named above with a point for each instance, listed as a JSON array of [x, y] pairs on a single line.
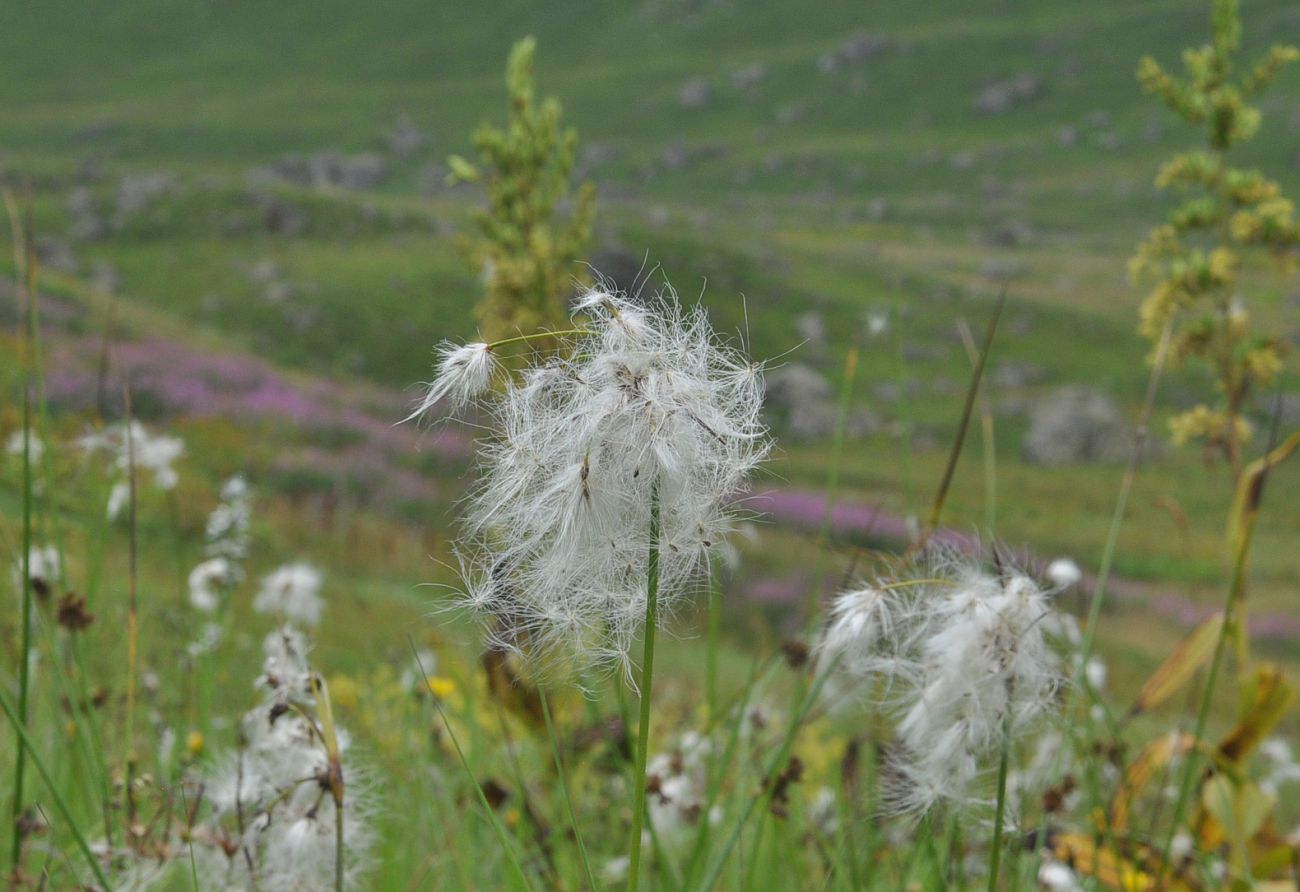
[[645, 406], [272, 821], [292, 592], [1064, 573], [206, 582], [464, 373], [958, 657]]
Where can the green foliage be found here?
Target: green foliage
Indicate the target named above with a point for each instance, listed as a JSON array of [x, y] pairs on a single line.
[[524, 248], [1197, 254]]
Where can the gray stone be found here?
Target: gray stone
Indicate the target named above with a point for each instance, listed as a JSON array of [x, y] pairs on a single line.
[[811, 327], [1076, 424], [56, 254], [136, 192], [748, 77], [87, 222], [1001, 97], [695, 93], [104, 278], [364, 171], [405, 139], [1014, 374]]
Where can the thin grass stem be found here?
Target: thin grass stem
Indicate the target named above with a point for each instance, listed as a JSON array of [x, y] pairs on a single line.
[[27, 745], [565, 794], [647, 677]]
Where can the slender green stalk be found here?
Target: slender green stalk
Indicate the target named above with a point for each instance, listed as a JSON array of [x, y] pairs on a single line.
[[714, 635], [132, 616], [536, 335], [493, 818], [647, 677], [765, 796], [995, 856], [832, 484], [24, 653], [329, 735], [1121, 504], [990, 441], [945, 483], [564, 788], [28, 746]]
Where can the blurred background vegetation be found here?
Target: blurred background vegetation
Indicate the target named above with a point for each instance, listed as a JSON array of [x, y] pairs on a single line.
[[246, 210]]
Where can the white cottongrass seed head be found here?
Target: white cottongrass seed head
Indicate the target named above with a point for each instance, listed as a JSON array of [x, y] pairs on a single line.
[[292, 592], [961, 660], [646, 404], [43, 568], [207, 581], [464, 373], [272, 823]]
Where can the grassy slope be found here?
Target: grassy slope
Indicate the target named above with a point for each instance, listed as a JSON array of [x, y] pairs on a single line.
[[771, 211]]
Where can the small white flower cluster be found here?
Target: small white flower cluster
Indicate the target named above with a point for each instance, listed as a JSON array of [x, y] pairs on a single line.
[[225, 549], [292, 592], [961, 660], [43, 568], [1281, 768], [133, 443], [19, 441], [676, 786], [645, 407], [272, 822], [227, 530]]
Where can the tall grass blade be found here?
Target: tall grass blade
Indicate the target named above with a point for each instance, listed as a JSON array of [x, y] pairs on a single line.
[[27, 745], [968, 407]]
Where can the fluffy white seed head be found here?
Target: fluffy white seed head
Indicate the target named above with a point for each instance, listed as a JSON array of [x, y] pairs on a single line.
[[646, 406], [292, 592], [1064, 573], [273, 821], [464, 373], [206, 582], [20, 441], [958, 656]]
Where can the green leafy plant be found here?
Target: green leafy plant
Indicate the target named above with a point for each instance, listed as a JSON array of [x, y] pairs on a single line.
[[524, 247], [1196, 255]]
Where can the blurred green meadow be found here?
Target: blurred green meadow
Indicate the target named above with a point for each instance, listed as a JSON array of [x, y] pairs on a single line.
[[243, 210]]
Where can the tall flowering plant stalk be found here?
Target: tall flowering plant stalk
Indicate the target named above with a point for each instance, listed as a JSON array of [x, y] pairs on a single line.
[[1196, 255], [608, 483]]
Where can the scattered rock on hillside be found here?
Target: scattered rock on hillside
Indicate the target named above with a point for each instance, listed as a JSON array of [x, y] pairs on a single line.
[[595, 155], [87, 222], [791, 113], [804, 400], [1002, 97], [811, 327], [405, 139], [1014, 374], [748, 77], [324, 169], [364, 171], [278, 215], [1290, 408], [1010, 234], [858, 48], [105, 278], [55, 253], [136, 192], [1076, 424], [1067, 137], [1002, 270], [695, 93]]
